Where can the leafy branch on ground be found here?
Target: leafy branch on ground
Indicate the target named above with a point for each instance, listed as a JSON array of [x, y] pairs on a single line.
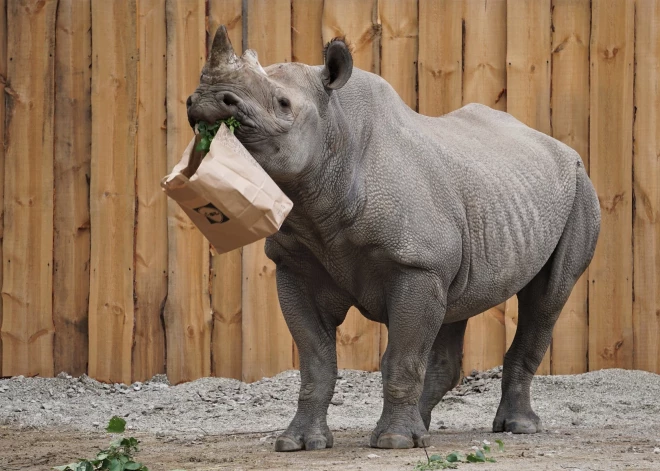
[[479, 454], [208, 132], [117, 457]]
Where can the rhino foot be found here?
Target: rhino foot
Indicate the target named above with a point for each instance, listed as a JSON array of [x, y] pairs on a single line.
[[527, 422], [293, 440], [400, 429]]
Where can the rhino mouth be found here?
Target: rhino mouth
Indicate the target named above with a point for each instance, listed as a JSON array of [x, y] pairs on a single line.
[[225, 106]]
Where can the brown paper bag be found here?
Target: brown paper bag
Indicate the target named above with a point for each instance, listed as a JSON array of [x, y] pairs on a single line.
[[226, 193]]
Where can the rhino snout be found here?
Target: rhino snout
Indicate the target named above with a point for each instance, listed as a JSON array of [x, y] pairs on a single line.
[[221, 106]]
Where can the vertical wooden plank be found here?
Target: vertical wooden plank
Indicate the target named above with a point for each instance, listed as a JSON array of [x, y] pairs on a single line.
[[357, 21], [528, 79], [27, 328], [484, 69], [226, 276], [227, 308], [73, 131], [484, 81], [571, 20], [269, 30], [112, 192], [3, 82], [306, 36], [440, 56], [528, 62], [611, 102], [230, 14], [267, 343], [398, 19], [485, 340], [151, 217], [646, 207], [187, 312], [358, 339]]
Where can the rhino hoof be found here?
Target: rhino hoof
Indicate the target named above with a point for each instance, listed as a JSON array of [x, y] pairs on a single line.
[[315, 442], [398, 441], [284, 443], [518, 426]]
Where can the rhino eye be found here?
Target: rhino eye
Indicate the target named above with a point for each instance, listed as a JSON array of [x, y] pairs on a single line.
[[284, 102]]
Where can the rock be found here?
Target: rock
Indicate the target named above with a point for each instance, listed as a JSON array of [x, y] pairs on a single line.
[[337, 401], [372, 456], [46, 406], [96, 424], [575, 407]]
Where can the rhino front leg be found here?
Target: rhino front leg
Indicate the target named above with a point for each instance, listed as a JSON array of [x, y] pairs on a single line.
[[312, 308], [416, 309]]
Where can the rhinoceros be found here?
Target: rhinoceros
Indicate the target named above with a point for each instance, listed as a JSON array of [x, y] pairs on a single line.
[[419, 222]]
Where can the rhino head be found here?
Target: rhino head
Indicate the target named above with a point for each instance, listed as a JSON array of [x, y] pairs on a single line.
[[283, 108]]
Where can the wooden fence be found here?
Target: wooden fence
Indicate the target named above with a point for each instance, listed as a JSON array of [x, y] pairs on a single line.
[[101, 274]]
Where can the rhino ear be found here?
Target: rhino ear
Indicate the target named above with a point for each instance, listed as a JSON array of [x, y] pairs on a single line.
[[338, 64]]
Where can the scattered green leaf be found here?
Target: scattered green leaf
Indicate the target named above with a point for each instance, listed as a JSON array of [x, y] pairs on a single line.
[[116, 425], [208, 131], [451, 461], [454, 457], [117, 457]]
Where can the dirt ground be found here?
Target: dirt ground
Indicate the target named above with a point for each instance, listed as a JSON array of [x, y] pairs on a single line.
[[606, 420]]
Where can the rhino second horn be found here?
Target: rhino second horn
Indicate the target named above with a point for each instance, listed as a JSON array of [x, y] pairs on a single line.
[[222, 52], [251, 58]]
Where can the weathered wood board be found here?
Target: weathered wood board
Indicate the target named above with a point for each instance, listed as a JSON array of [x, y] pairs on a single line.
[[112, 190], [151, 217], [610, 160], [646, 186], [440, 63], [27, 291], [188, 320], [73, 130]]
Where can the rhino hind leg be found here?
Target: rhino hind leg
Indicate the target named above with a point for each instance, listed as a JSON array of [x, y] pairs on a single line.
[[539, 304], [443, 369]]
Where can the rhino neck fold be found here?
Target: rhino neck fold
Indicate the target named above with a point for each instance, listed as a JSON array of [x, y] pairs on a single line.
[[329, 194]]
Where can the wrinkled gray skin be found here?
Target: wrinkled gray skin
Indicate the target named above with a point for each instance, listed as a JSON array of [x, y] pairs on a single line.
[[419, 222]]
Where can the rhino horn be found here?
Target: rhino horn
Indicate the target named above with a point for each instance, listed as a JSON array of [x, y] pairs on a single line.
[[222, 53]]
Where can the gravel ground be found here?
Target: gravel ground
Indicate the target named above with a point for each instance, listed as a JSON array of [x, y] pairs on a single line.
[[609, 405]]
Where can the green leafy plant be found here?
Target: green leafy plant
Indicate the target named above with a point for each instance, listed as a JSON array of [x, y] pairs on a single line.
[[452, 460], [117, 457], [208, 131]]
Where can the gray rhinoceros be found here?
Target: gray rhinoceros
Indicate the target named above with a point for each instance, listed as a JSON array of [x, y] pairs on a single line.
[[419, 222]]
